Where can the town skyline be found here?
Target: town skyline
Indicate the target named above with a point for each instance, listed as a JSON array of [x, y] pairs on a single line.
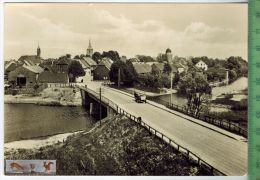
[[117, 28]]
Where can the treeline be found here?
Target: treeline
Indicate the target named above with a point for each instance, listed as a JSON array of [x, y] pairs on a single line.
[[236, 66], [129, 77]]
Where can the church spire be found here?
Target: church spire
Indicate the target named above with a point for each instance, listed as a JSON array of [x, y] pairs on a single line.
[[90, 49], [38, 51], [89, 44]]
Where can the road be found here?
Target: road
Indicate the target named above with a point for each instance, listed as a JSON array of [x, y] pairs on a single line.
[[224, 153]]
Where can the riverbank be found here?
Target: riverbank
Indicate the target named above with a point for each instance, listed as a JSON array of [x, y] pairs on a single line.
[[118, 146], [37, 142], [57, 96]]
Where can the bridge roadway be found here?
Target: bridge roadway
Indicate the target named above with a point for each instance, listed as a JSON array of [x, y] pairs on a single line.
[[228, 155]]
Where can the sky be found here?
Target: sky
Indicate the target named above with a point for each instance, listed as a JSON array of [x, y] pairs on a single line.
[[213, 30]]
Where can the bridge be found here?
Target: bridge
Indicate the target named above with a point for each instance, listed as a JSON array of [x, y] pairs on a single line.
[[221, 151]]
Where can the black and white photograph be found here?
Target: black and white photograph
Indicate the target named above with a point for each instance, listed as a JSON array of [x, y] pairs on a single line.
[[125, 89]]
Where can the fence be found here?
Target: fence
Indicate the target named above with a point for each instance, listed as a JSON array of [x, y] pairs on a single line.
[[190, 155], [62, 84], [29, 89], [217, 84], [223, 123]]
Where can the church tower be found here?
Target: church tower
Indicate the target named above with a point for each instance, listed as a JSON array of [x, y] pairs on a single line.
[[38, 51], [168, 55], [90, 49]]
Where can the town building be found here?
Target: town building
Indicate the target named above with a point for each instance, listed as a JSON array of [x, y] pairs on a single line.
[[142, 69], [88, 64], [168, 55], [202, 65], [101, 72], [123, 58], [158, 67], [61, 65], [31, 60], [9, 66], [50, 77], [134, 60], [90, 49], [25, 75], [181, 68]]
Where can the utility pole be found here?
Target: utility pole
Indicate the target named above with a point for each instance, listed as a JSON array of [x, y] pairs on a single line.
[[100, 112], [171, 87], [119, 77]]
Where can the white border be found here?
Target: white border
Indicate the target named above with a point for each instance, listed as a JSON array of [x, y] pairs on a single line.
[[3, 177]]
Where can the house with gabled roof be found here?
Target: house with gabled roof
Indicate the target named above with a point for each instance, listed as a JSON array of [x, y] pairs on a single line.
[[88, 64], [202, 65], [31, 60], [142, 68], [101, 72], [25, 75], [10, 66], [48, 76]]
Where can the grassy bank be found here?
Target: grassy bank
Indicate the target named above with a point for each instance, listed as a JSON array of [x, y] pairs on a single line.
[[238, 111], [118, 146]]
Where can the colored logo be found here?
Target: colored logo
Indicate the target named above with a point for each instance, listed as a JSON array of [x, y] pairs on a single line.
[[37, 167]]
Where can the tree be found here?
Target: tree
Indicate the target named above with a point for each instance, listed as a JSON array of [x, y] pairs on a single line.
[[161, 58], [232, 75], [76, 57], [167, 68], [68, 56], [75, 70], [127, 73], [238, 65], [176, 79], [195, 60], [113, 55], [82, 56], [144, 58], [198, 92], [96, 57]]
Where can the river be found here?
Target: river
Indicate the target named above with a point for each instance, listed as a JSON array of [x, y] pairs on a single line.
[[238, 85], [28, 121]]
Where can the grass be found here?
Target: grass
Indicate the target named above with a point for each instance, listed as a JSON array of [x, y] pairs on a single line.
[[118, 146], [238, 113]]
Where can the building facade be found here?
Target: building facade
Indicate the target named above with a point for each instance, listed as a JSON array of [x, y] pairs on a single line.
[[202, 65], [25, 75], [101, 72]]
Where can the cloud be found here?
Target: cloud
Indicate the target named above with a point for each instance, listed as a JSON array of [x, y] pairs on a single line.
[[202, 32], [69, 32]]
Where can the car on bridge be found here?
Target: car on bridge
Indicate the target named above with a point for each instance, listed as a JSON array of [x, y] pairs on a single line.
[[139, 98]]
